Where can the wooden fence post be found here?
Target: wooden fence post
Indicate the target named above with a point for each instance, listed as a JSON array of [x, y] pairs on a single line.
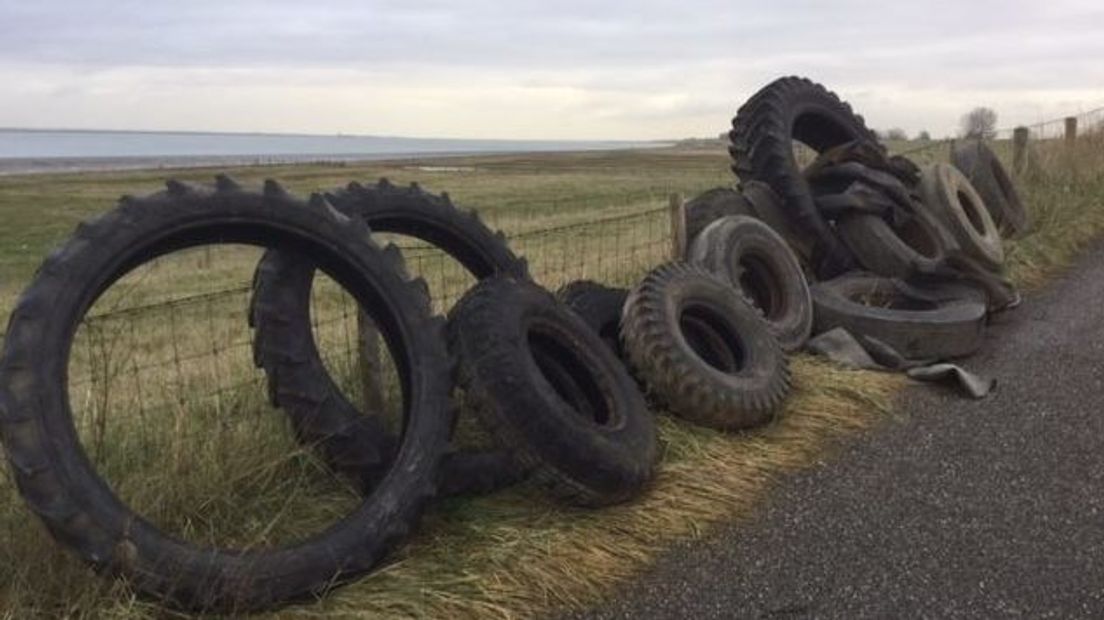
[[1071, 130], [369, 365], [678, 226], [1019, 150]]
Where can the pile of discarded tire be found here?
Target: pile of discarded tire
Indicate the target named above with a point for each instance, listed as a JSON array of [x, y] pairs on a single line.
[[543, 372], [903, 264], [562, 381]]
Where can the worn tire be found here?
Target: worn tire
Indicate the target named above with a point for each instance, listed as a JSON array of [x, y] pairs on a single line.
[[767, 206], [753, 258], [788, 109], [998, 192], [354, 443], [703, 349], [711, 205], [552, 392], [918, 246], [947, 192], [82, 512], [924, 326], [600, 308]]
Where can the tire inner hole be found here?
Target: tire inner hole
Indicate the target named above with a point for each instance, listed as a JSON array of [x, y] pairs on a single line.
[[712, 338], [972, 213], [566, 372], [760, 282]]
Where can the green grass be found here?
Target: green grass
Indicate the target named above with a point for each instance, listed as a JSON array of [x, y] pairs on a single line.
[[173, 413]]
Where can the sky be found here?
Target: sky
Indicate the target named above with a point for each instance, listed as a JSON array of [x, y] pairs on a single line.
[[553, 69]]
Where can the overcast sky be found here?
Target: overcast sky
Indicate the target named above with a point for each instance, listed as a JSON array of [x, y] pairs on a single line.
[[534, 69]]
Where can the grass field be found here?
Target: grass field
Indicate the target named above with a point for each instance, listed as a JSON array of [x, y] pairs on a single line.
[[173, 412]]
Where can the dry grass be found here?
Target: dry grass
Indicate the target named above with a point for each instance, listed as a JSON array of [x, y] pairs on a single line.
[[225, 468]]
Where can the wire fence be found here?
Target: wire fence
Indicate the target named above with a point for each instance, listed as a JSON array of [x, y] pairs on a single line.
[[146, 350]]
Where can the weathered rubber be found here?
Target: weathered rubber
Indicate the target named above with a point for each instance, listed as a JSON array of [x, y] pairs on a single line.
[[918, 244], [711, 205], [355, 443], [788, 109], [997, 189], [749, 255], [920, 326], [552, 392], [600, 308], [767, 206], [61, 485], [703, 349], [951, 197]]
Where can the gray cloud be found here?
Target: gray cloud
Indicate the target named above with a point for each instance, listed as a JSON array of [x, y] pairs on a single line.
[[712, 52]]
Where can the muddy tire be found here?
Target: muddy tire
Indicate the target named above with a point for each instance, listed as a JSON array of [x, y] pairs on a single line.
[[599, 306], [956, 203], [355, 443], [704, 351], [552, 392], [82, 512], [918, 245], [998, 192], [753, 258], [706, 208], [919, 326], [762, 137]]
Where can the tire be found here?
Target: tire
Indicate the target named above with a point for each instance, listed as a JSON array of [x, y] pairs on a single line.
[[762, 136], [712, 205], [750, 256], [703, 349], [767, 206], [956, 203], [998, 192], [351, 442], [917, 245], [924, 326], [551, 391], [61, 485], [599, 307]]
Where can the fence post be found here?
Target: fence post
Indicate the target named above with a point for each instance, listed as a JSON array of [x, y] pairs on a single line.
[[1071, 130], [368, 363], [1019, 149], [678, 226]]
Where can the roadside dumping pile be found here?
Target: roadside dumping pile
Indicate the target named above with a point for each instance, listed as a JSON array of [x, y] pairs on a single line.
[[904, 266]]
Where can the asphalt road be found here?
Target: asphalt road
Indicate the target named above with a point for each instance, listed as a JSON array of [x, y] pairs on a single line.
[[963, 508]]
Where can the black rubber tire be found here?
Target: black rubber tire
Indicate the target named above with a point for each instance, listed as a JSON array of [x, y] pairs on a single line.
[[951, 197], [918, 245], [552, 392], [753, 258], [355, 443], [767, 206], [921, 327], [703, 349], [990, 178], [600, 308], [61, 485], [711, 205], [788, 109]]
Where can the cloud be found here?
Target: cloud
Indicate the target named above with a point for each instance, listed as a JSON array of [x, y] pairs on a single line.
[[570, 69]]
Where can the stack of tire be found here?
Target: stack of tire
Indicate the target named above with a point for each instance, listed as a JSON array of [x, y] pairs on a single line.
[[902, 258], [563, 407]]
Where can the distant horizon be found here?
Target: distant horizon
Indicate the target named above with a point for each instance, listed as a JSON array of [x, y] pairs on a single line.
[[296, 134]]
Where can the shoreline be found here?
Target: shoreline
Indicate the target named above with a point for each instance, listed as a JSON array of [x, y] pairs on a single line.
[[10, 167]]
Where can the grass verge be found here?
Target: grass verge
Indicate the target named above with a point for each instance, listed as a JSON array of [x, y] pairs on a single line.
[[518, 554]]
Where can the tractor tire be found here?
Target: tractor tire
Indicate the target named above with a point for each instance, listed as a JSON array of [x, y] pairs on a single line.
[[703, 349], [62, 486], [956, 203], [600, 308]]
